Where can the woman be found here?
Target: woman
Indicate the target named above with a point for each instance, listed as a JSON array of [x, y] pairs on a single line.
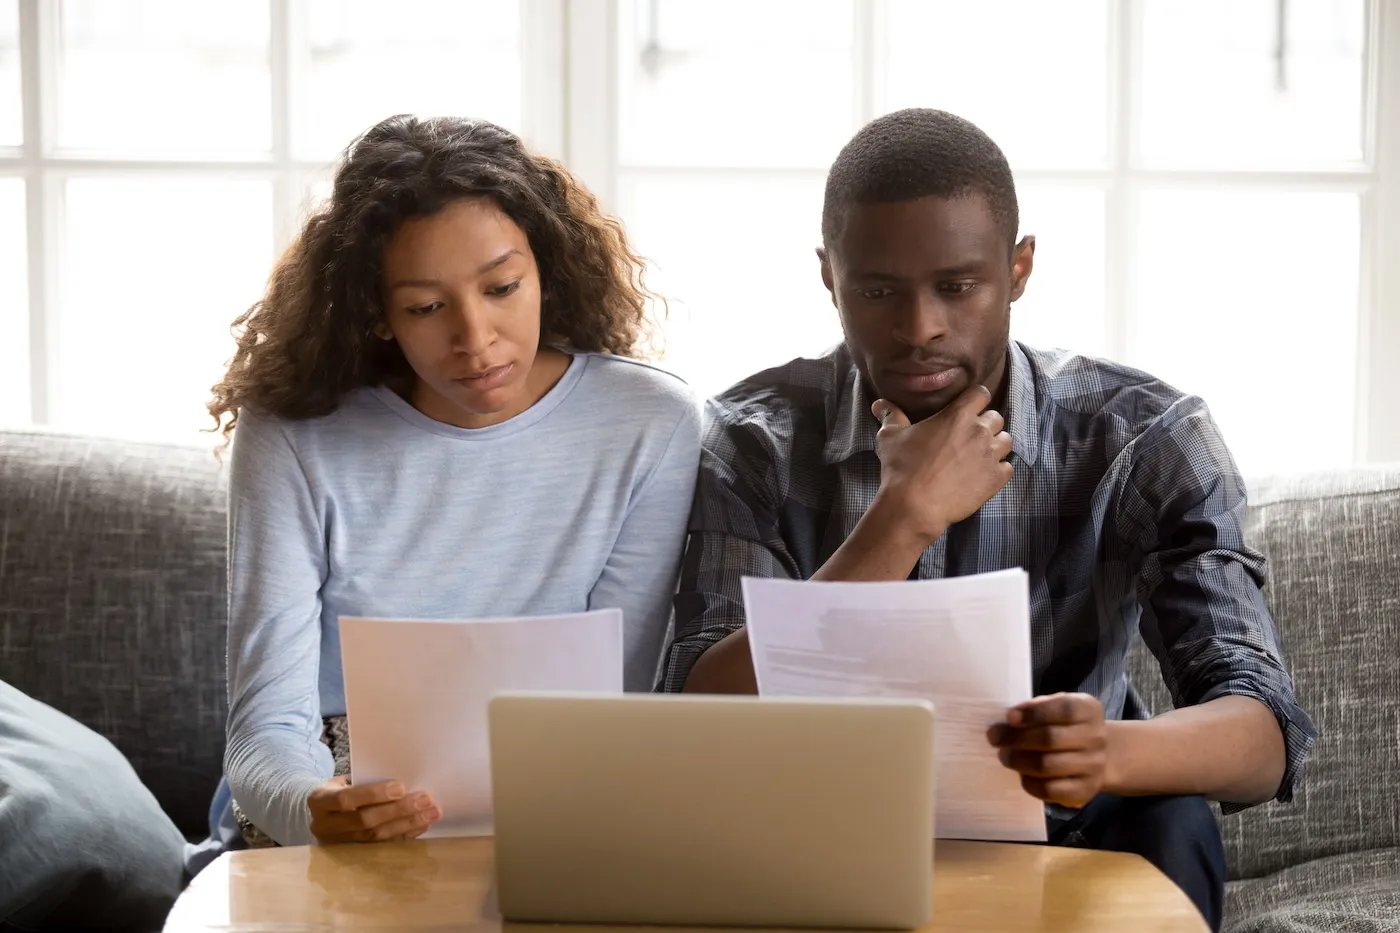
[[435, 418]]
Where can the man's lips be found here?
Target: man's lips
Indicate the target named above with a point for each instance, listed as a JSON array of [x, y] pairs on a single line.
[[923, 377]]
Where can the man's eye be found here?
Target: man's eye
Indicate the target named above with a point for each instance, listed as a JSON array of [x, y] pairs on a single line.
[[957, 288], [876, 293], [501, 291]]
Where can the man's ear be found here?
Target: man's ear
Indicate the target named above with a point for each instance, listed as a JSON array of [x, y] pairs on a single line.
[[827, 278], [1022, 260]]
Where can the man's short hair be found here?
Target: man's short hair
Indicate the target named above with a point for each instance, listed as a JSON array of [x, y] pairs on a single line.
[[918, 153]]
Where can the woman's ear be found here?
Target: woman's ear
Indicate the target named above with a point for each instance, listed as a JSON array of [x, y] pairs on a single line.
[[382, 331]]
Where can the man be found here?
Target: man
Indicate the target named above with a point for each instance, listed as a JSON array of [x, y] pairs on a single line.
[[930, 445]]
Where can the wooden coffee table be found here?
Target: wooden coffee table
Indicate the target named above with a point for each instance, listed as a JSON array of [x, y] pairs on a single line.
[[448, 884]]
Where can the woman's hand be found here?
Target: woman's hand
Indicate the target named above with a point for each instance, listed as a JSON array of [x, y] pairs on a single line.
[[376, 812]]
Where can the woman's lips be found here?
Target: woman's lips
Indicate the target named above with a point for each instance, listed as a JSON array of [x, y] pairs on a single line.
[[486, 379]]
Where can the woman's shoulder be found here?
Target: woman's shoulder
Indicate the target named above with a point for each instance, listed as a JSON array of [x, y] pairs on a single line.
[[348, 420], [632, 388]]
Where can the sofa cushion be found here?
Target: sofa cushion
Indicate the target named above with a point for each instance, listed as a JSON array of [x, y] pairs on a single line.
[[1333, 546], [1358, 892], [112, 600], [83, 845]]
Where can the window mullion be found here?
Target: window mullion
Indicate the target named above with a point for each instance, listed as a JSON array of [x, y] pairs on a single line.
[[1378, 434], [544, 77], [38, 68], [591, 102], [285, 18], [869, 17], [1120, 204]]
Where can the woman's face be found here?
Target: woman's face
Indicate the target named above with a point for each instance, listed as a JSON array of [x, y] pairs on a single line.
[[462, 300]]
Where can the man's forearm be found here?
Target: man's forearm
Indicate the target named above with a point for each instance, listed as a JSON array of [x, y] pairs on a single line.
[[880, 547], [1228, 749], [725, 667]]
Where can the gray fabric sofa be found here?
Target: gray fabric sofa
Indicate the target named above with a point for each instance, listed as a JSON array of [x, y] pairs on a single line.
[[1330, 860], [112, 600]]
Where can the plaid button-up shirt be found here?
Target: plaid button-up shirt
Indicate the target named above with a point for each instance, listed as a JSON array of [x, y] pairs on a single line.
[[1124, 509]]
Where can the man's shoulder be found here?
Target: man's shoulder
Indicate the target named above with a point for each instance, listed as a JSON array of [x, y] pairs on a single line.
[[1095, 389], [799, 385], [783, 403]]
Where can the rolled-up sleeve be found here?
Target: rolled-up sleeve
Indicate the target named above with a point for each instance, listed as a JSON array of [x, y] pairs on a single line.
[[1203, 611]]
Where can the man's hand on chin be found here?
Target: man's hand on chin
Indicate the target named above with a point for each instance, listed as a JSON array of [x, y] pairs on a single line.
[[1059, 746]]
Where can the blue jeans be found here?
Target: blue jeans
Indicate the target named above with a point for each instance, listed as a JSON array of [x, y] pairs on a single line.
[[1179, 835]]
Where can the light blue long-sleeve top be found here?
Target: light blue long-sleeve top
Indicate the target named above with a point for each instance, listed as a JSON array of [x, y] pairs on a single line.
[[578, 503]]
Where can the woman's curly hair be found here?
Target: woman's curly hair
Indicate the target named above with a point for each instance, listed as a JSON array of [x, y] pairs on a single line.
[[311, 339]]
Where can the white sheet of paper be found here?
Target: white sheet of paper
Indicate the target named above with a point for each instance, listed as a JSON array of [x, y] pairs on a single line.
[[961, 642], [416, 695]]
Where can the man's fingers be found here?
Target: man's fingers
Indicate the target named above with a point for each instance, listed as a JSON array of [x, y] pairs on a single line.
[[992, 420], [974, 398], [889, 414], [1059, 709], [357, 796], [1047, 738], [1050, 764], [1001, 444], [1068, 792]]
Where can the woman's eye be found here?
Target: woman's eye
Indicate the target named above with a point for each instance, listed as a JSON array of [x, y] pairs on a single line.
[[501, 291], [428, 308]]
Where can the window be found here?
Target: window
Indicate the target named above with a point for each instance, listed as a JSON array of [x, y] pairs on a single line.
[[365, 59], [1199, 195], [724, 136], [11, 119], [172, 147], [14, 322], [1213, 184]]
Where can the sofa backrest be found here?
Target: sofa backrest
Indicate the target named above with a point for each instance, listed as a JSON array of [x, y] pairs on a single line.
[[113, 610], [1333, 546], [112, 600]]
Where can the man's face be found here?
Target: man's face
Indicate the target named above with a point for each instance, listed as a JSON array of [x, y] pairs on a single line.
[[924, 289]]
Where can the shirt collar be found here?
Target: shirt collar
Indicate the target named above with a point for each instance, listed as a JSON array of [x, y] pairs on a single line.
[[851, 428]]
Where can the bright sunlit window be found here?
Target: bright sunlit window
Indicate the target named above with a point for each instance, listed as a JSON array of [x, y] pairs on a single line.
[[172, 147], [1210, 181], [1194, 173]]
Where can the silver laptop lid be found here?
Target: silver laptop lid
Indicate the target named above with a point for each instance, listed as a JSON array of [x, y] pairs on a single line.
[[713, 810]]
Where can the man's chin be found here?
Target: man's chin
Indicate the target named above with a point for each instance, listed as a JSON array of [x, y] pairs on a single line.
[[918, 406]]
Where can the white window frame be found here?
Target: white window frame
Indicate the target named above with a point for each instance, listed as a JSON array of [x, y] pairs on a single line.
[[570, 103], [45, 169], [594, 56]]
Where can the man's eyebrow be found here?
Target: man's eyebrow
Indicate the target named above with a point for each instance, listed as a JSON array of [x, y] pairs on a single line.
[[971, 267], [876, 277]]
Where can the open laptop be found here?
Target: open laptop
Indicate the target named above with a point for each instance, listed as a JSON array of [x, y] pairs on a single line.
[[718, 811]]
